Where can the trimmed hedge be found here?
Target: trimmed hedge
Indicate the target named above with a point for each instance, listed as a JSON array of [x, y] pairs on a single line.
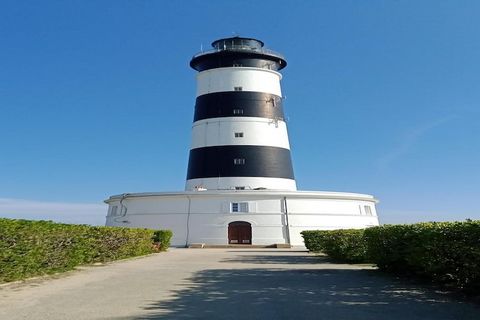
[[32, 248], [314, 239], [161, 239], [445, 252], [346, 245]]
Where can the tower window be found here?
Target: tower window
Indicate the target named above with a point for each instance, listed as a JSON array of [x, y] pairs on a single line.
[[238, 88], [239, 161], [238, 134], [239, 207], [237, 111], [113, 211]]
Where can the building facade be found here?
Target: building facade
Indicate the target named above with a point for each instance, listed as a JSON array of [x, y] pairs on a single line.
[[240, 186]]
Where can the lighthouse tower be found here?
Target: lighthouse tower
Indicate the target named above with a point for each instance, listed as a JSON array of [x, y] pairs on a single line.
[[240, 187], [239, 134]]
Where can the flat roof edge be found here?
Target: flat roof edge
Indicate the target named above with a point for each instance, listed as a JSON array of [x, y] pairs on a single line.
[[285, 193]]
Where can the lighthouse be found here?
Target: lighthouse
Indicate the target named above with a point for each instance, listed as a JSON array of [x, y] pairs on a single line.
[[240, 187], [239, 134]]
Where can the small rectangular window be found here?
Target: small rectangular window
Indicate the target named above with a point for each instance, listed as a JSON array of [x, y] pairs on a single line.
[[238, 88], [238, 161], [237, 64], [239, 188], [113, 211], [238, 134], [237, 111], [239, 207], [368, 210]]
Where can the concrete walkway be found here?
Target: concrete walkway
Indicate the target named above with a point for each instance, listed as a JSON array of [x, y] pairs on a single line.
[[228, 284]]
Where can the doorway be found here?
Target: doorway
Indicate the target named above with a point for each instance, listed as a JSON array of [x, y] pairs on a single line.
[[239, 232]]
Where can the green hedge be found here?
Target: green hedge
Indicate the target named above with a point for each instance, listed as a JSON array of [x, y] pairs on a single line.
[[32, 248], [445, 252], [314, 240], [343, 245], [161, 239]]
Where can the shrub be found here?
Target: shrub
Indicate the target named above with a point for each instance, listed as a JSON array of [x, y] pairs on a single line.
[[31, 248], [314, 240], [446, 252], [342, 245], [162, 238]]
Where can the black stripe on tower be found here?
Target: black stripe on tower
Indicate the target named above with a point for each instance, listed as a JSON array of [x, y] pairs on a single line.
[[238, 104], [236, 59], [226, 161]]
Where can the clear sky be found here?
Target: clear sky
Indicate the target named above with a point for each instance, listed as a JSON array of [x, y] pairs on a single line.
[[382, 97]]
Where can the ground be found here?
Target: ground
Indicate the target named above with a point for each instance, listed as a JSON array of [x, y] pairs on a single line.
[[229, 284]]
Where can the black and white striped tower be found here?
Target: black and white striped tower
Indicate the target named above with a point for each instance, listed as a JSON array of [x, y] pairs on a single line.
[[239, 134]]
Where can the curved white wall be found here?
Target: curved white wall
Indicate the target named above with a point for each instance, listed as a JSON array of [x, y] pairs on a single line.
[[255, 131], [208, 214], [250, 79]]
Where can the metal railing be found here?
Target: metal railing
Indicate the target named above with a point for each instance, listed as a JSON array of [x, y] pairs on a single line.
[[241, 49]]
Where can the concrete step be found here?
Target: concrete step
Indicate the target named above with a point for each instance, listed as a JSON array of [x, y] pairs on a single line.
[[238, 246]]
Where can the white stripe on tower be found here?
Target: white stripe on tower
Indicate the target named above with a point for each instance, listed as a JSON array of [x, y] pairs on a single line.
[[226, 183], [252, 131], [248, 79]]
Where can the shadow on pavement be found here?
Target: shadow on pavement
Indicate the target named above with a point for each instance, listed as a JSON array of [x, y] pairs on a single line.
[[278, 259], [303, 294]]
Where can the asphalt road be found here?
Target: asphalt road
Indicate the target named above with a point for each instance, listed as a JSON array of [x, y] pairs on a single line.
[[229, 284]]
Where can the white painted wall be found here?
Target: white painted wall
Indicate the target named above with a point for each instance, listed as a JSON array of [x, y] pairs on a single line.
[[250, 183], [202, 217], [326, 206], [250, 79], [256, 132]]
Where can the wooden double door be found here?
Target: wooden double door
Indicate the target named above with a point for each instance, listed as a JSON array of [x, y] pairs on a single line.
[[240, 232]]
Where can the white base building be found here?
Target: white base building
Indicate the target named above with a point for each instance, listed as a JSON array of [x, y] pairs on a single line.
[[259, 217]]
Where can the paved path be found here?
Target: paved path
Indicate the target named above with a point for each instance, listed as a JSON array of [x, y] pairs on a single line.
[[228, 284]]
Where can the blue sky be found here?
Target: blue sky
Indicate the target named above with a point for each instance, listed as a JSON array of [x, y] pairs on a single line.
[[382, 97]]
